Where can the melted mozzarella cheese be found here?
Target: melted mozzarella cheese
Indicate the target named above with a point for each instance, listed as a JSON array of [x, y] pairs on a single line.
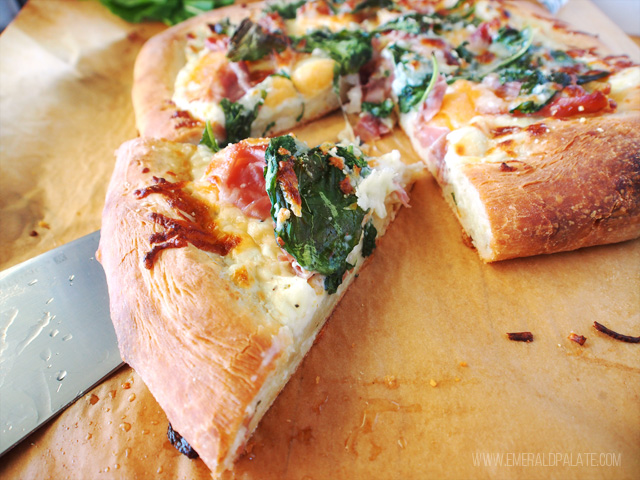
[[262, 273]]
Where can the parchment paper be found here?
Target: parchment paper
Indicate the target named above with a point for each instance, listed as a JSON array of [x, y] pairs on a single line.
[[413, 376]]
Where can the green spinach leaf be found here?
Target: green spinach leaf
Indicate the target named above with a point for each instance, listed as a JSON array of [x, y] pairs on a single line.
[[381, 110], [286, 9], [350, 49], [330, 225], [238, 120]]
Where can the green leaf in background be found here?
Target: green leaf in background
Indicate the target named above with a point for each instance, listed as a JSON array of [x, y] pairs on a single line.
[[167, 11]]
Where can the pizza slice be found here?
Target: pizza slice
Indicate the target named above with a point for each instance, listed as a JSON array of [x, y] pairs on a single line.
[[473, 83], [248, 72], [533, 136], [223, 267]]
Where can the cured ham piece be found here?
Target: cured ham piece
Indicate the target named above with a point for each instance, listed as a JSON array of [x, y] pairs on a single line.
[[239, 176]]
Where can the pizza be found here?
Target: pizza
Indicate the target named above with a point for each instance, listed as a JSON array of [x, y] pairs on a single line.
[[529, 127], [227, 242], [224, 264]]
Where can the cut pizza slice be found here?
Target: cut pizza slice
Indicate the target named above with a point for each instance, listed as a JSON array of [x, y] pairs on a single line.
[[248, 72], [223, 267], [531, 134]]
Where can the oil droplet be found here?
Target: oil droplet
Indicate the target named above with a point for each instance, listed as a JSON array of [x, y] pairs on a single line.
[[125, 426], [126, 385], [160, 470], [32, 282], [93, 399], [145, 432], [88, 437], [132, 397], [71, 277], [391, 382], [116, 466], [68, 336], [127, 451], [54, 332], [433, 383], [49, 301], [45, 355], [106, 469], [112, 393], [61, 375]]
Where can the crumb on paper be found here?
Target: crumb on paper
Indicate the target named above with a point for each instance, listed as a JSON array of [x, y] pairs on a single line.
[[433, 383], [579, 339], [520, 336]]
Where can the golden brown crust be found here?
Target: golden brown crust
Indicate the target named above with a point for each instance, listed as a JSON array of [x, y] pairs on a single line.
[[155, 71], [578, 187], [201, 349]]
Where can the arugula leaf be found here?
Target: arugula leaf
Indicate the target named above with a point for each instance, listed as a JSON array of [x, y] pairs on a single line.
[[208, 138], [285, 9], [330, 225], [544, 95], [350, 49], [381, 110], [592, 75], [167, 11], [237, 120], [250, 42]]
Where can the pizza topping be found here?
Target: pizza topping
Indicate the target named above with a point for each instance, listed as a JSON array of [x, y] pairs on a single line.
[[238, 174], [616, 335], [180, 443], [251, 42], [286, 9], [574, 104], [350, 49], [521, 336], [238, 119], [330, 222], [195, 225], [579, 339], [288, 183], [371, 127]]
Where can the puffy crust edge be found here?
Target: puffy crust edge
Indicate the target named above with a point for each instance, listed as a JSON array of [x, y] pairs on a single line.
[[197, 345], [155, 71], [578, 187]]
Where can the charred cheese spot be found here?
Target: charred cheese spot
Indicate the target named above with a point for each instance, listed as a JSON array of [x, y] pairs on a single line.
[[313, 75], [241, 277], [281, 89]]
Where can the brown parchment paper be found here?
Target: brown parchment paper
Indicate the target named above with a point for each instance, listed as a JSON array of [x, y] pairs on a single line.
[[413, 376]]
